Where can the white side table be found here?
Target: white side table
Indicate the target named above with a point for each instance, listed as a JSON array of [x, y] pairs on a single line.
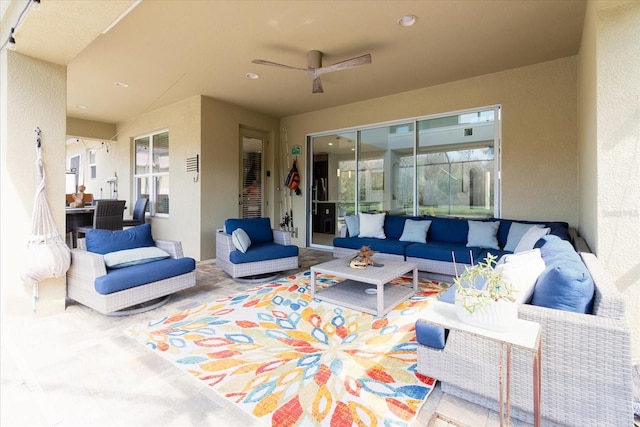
[[524, 334]]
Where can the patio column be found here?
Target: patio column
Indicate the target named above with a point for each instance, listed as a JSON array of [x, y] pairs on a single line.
[[33, 94]]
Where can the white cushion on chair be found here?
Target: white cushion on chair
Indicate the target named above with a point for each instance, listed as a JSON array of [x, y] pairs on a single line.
[[127, 257]]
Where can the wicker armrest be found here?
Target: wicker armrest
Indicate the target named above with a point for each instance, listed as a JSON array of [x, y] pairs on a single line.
[[281, 237], [224, 245], [172, 247], [86, 265]]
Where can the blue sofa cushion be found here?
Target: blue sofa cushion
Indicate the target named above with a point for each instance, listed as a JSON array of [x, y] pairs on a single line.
[[258, 229], [430, 335], [441, 251], [263, 252], [389, 246], [449, 230], [136, 275], [105, 241], [566, 283]]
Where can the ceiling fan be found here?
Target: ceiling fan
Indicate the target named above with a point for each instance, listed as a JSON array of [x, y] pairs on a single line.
[[315, 68]]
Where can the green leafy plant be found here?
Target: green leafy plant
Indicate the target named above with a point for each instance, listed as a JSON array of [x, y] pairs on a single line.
[[480, 284]]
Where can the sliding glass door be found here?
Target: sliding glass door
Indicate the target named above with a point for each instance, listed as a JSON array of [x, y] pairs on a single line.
[[443, 165]]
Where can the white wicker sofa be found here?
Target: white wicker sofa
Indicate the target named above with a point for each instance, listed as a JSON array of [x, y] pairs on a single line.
[[89, 268], [586, 363]]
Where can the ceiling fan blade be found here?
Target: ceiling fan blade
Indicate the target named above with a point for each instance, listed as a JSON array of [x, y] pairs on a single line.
[[317, 85], [349, 63], [275, 64]]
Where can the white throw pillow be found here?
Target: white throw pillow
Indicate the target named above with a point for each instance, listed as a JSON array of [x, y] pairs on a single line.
[[516, 231], [530, 238], [372, 225], [482, 234], [415, 231], [522, 271], [127, 257], [240, 240]]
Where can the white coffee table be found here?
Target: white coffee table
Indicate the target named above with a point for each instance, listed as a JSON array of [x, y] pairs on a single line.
[[357, 291]]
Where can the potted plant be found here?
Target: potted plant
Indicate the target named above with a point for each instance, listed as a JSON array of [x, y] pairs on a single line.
[[483, 298]]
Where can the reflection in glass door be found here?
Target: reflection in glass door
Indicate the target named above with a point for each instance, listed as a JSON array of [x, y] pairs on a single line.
[[251, 191], [333, 180]]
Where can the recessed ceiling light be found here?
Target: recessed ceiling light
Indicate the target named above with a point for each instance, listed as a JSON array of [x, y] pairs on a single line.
[[81, 106], [407, 20], [121, 84], [252, 76], [331, 143]]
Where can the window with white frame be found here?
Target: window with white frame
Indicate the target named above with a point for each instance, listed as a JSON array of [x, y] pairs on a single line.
[[151, 172]]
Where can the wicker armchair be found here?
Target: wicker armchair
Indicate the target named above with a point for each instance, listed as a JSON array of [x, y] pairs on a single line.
[[259, 267], [87, 266]]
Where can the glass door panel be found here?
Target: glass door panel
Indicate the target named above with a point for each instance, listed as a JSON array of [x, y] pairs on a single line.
[[251, 195], [456, 164], [332, 172], [385, 169]]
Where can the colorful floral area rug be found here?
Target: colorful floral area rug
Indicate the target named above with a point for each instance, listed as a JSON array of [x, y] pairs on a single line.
[[288, 359]]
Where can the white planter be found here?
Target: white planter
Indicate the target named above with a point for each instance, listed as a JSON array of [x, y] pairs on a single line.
[[494, 315]]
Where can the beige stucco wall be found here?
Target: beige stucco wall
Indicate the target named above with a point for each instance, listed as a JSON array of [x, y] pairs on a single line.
[[539, 162], [618, 152], [199, 204], [33, 94], [182, 120], [221, 150]]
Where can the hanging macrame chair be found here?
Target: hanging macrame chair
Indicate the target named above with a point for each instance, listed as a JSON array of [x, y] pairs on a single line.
[[46, 255]]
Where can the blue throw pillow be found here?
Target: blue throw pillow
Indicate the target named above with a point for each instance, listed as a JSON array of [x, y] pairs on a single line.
[[353, 225], [415, 231], [240, 240], [105, 241], [483, 234], [565, 287]]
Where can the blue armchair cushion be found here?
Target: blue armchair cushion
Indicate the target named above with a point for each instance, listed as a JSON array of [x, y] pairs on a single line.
[[263, 252], [136, 275], [240, 240], [105, 241], [258, 229]]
